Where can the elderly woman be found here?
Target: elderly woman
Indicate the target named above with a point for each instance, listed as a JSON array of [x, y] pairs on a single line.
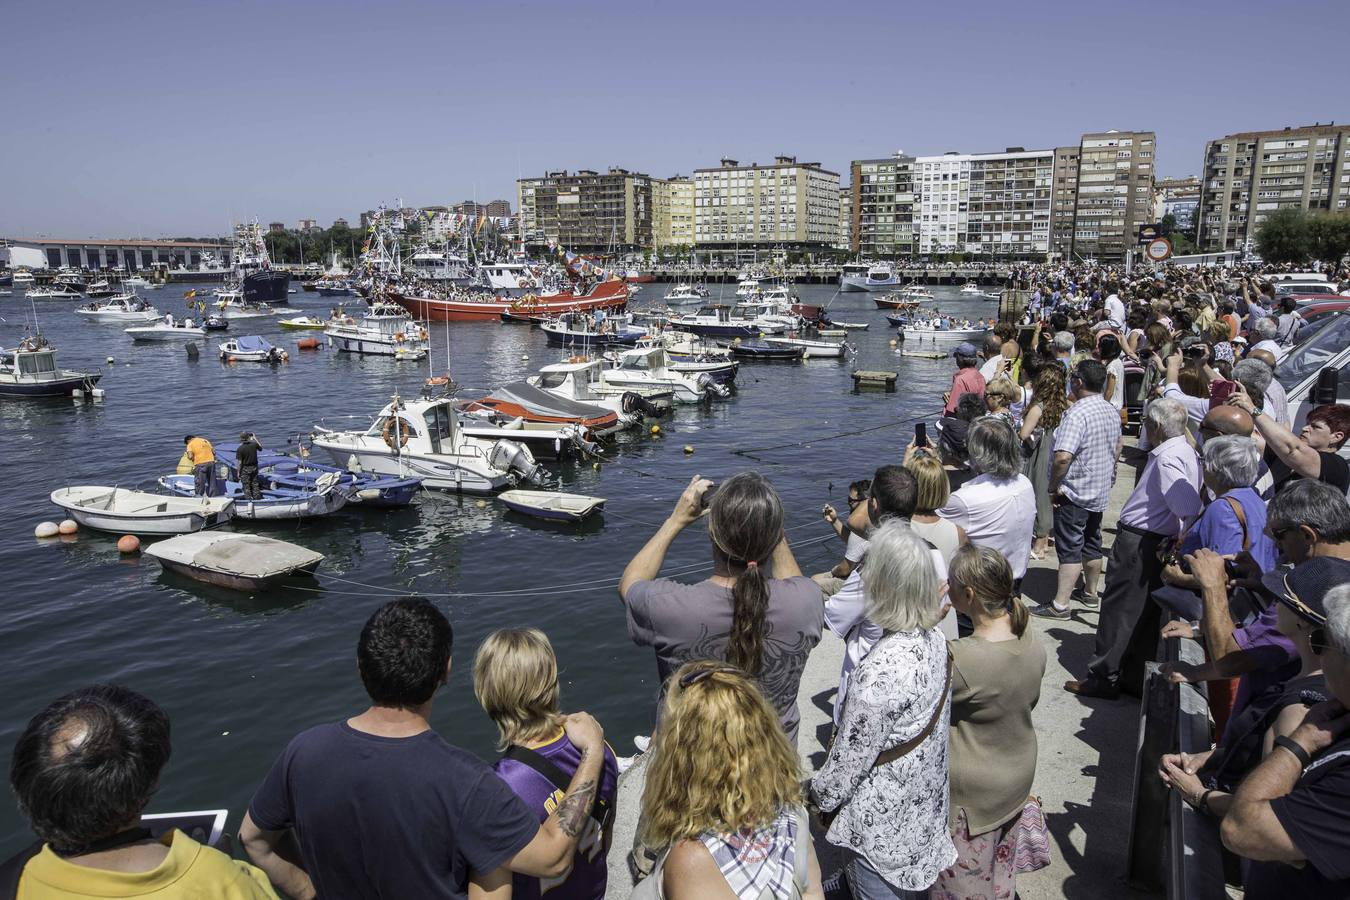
[[886, 772], [999, 397], [997, 508]]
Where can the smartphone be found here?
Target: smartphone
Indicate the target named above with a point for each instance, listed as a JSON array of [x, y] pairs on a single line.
[[921, 434], [707, 496], [1219, 392]]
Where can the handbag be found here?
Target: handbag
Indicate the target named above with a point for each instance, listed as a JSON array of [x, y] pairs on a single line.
[[1169, 552], [1031, 838]]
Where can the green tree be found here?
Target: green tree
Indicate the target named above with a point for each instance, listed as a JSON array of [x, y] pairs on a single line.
[[1283, 237], [1329, 237]]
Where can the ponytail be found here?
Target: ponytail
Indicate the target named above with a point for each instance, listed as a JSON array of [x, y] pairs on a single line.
[[749, 606], [1017, 611]]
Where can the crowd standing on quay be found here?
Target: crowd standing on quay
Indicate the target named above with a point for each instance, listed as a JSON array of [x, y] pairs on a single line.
[[1236, 533]]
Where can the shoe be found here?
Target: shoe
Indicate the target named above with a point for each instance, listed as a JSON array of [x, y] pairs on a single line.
[[1093, 687], [1090, 601], [642, 742], [1049, 611]]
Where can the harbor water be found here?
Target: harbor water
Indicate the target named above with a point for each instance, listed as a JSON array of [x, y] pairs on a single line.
[[241, 674]]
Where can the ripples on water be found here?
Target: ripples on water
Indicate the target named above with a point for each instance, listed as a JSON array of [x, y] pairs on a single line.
[[241, 674]]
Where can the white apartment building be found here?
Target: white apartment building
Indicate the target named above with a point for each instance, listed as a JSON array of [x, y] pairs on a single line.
[[787, 205], [985, 204], [942, 188]]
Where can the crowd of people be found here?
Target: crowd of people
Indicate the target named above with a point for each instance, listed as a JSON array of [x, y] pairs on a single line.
[[1236, 534]]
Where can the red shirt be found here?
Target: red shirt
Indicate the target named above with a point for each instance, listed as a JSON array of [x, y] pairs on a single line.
[[965, 381]]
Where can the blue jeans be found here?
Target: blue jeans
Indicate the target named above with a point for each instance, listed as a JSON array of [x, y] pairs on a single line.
[[866, 884]]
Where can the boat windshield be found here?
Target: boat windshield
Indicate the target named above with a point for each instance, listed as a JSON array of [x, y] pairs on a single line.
[[440, 424], [1314, 352], [552, 379], [37, 363]]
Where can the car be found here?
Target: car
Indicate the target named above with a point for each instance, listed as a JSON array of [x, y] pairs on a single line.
[[1316, 310], [1317, 370]]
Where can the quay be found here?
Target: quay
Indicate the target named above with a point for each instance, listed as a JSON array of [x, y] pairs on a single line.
[[984, 274], [1085, 756]]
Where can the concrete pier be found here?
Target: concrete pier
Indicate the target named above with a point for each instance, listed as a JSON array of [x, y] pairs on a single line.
[[1083, 774]]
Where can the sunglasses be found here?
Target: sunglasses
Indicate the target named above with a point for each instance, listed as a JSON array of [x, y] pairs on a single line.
[[691, 678], [854, 501]]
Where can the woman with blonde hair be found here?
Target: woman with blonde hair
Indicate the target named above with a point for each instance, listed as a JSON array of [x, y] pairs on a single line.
[[934, 487], [886, 772], [515, 678], [996, 682], [1042, 417], [723, 793], [999, 396]]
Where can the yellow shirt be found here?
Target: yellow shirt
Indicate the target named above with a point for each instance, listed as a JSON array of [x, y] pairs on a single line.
[[199, 449], [191, 870]]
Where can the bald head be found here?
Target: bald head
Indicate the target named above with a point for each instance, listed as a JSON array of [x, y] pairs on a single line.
[[1228, 420], [1265, 356]]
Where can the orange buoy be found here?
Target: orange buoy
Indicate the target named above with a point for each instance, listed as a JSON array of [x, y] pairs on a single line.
[[309, 343], [128, 543], [68, 526]]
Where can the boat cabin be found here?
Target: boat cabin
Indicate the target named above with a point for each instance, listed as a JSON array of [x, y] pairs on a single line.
[[30, 365], [572, 380], [643, 359], [431, 425]]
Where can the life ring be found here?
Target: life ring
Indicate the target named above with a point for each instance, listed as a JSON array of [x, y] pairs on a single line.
[[438, 380], [522, 282], [399, 337], [405, 430]]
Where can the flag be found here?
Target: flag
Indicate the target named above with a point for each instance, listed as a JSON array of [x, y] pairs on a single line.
[[188, 295], [479, 227]]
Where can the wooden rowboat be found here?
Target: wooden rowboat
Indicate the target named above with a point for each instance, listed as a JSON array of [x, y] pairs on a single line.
[[550, 505]]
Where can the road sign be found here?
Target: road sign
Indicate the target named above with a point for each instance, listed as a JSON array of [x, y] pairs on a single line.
[[1149, 231], [1158, 249]]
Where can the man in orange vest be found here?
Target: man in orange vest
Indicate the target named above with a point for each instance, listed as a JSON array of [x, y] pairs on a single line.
[[203, 458]]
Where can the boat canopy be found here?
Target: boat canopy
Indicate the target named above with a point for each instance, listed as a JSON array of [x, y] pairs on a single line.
[[541, 402], [251, 343]]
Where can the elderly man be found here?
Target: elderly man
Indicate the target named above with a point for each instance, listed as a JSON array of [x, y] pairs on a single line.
[[1265, 333], [996, 361], [1277, 401], [1081, 477], [1291, 814], [997, 508], [1166, 495]]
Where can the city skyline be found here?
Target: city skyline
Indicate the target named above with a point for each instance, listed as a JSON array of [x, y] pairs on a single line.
[[308, 110]]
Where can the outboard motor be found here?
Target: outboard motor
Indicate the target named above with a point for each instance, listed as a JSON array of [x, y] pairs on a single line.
[[710, 386], [510, 456], [636, 404]]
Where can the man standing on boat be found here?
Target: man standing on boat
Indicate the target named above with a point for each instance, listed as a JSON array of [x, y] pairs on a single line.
[[246, 457], [203, 458]]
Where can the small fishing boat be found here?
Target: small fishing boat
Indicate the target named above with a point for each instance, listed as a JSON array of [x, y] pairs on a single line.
[[122, 308], [647, 367], [972, 288], [327, 496], [812, 349], [56, 291], [251, 348], [580, 380], [687, 293], [898, 301], [284, 471], [215, 323], [851, 326], [238, 308], [163, 331], [573, 330], [556, 507], [920, 335], [300, 323], [718, 321], [30, 370], [763, 351], [124, 511], [522, 400], [245, 562]]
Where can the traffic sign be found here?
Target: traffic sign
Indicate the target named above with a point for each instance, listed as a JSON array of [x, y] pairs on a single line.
[[1158, 249]]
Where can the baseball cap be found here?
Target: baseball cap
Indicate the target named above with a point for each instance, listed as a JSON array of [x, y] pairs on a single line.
[[965, 348], [1304, 588]]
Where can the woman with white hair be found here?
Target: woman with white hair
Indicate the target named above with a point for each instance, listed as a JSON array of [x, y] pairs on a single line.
[[997, 508], [886, 774]]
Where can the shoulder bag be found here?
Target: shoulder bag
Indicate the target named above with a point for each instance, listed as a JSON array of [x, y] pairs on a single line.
[[602, 811]]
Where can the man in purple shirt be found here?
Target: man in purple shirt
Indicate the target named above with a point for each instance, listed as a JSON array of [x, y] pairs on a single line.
[[1167, 494]]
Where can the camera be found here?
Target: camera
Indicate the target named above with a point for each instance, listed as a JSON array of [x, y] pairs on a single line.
[[707, 497], [1231, 570]]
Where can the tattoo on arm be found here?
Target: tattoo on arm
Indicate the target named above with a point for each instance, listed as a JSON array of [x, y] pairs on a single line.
[[576, 808]]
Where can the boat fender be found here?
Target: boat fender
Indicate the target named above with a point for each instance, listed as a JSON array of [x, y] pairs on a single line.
[[128, 543], [68, 526], [404, 432], [46, 530]]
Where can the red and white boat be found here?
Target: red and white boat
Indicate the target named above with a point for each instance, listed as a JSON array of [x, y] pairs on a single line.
[[489, 307], [636, 276]]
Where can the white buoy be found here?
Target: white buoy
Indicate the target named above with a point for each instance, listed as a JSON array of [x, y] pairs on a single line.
[[46, 530], [68, 526], [98, 393], [111, 361]]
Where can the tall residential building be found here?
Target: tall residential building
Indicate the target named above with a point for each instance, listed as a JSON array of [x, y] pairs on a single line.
[[942, 186], [1250, 175], [308, 225], [1178, 198], [787, 204], [588, 211], [844, 240], [673, 212], [1063, 200], [1115, 193], [1010, 204], [882, 207], [276, 227]]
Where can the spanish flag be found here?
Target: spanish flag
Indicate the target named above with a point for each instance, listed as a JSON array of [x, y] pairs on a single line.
[[188, 295]]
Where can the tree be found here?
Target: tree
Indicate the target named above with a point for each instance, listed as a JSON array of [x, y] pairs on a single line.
[[1283, 237], [1329, 237]]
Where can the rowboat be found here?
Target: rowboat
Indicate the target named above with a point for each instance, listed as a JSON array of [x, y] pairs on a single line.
[[302, 322], [557, 507], [245, 562], [124, 511], [811, 349]]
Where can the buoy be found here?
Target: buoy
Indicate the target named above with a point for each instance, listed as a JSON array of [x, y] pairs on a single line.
[[111, 361], [524, 357], [595, 466], [128, 543], [68, 526], [46, 530], [893, 342], [481, 504], [656, 429], [309, 343], [688, 448]]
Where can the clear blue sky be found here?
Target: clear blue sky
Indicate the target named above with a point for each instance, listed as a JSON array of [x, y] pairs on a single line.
[[135, 118]]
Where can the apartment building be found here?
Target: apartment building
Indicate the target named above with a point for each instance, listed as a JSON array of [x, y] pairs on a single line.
[[786, 204], [881, 205], [1248, 176], [673, 212], [942, 188], [1178, 198], [1115, 193], [844, 240], [588, 211], [1064, 198], [1010, 204]]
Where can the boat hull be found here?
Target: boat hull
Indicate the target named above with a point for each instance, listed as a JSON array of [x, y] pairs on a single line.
[[231, 580], [917, 338], [56, 387], [176, 522], [863, 283], [439, 473], [270, 286], [166, 334], [606, 295], [726, 331]]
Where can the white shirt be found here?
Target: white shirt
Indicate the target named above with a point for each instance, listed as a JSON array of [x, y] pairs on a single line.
[[1272, 346], [998, 513], [1116, 310], [1117, 368]]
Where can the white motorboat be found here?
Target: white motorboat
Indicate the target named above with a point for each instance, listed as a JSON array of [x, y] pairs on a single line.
[[647, 367], [303, 323], [919, 336], [582, 381], [238, 308], [122, 308], [30, 370], [972, 288], [424, 438], [23, 276], [915, 294], [136, 281], [877, 276], [385, 330], [124, 511], [747, 287], [686, 293], [812, 349], [56, 291], [437, 266], [245, 562], [251, 348], [164, 331]]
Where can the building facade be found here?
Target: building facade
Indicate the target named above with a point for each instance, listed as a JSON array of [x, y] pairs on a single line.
[[1064, 198], [1115, 193], [787, 204], [1178, 198], [1010, 204], [588, 211], [844, 240], [132, 255], [672, 212], [881, 210], [1248, 176], [942, 189]]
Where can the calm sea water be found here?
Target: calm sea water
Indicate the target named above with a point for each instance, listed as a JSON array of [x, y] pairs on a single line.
[[241, 674]]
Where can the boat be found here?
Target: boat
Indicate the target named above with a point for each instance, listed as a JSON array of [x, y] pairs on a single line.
[[284, 471], [574, 329], [238, 308], [30, 370], [251, 348], [253, 275], [385, 330], [215, 323], [851, 326], [556, 507], [693, 355], [637, 276], [55, 291], [424, 438], [766, 352], [581, 380], [336, 289], [100, 289], [300, 323], [512, 278], [465, 306], [876, 276], [972, 288], [136, 281], [647, 367], [920, 334], [437, 266], [812, 349], [717, 321], [124, 511], [747, 287], [121, 308], [23, 276], [164, 331], [687, 293], [916, 294], [896, 301], [523, 400], [327, 496], [244, 562]]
